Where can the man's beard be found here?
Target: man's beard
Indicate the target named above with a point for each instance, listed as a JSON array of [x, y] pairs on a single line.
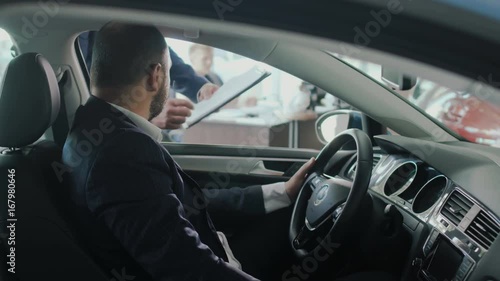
[[158, 102]]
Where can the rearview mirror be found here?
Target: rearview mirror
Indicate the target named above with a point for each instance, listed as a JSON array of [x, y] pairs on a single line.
[[330, 124], [397, 80]]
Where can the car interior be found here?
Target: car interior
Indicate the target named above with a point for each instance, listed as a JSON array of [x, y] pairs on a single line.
[[416, 202]]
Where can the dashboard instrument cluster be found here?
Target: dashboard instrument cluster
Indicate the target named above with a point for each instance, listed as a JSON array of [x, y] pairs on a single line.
[[461, 229]]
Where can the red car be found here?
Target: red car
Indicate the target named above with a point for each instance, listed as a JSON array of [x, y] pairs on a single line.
[[475, 119]]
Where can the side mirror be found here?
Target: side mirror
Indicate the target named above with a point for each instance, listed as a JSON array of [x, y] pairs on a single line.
[[397, 80], [330, 124]]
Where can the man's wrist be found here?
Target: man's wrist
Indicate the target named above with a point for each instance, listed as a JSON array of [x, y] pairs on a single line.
[[275, 196]]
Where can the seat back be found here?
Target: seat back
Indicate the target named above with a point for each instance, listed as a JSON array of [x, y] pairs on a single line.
[[34, 236]]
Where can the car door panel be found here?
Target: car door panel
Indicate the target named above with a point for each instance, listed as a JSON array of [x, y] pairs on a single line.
[[257, 242], [244, 166], [235, 150]]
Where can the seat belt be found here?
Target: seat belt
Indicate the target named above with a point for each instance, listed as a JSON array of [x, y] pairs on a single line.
[[60, 127]]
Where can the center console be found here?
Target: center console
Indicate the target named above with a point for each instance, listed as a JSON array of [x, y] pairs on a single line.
[[444, 261]]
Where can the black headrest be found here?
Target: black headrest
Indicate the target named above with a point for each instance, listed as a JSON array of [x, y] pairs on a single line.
[[29, 100]]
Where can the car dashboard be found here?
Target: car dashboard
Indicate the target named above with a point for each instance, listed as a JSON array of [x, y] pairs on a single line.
[[455, 232]]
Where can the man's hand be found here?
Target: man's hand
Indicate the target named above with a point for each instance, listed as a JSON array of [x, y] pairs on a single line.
[[292, 186], [207, 91], [174, 114]]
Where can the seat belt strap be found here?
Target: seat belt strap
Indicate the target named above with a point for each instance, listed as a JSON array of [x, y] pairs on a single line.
[[60, 127]]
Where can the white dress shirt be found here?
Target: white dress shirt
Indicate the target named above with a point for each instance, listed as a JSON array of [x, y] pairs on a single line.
[[274, 195]]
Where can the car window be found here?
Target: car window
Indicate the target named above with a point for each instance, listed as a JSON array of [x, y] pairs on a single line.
[[281, 111], [5, 52]]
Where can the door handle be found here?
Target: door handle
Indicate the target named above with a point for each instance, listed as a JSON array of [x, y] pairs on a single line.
[[260, 169]]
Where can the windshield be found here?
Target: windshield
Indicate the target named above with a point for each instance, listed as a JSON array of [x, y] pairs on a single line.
[[474, 114]]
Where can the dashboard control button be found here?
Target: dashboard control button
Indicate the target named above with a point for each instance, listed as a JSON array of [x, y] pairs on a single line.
[[430, 242], [338, 212], [433, 237], [460, 274], [463, 269], [467, 263], [427, 249], [317, 181], [417, 262]]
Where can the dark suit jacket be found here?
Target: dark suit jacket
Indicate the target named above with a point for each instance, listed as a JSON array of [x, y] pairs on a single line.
[[182, 76], [185, 80], [134, 208]]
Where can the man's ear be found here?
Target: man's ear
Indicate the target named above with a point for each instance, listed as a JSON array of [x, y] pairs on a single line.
[[154, 78]]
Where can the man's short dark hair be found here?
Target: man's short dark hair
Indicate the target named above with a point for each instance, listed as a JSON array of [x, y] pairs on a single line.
[[123, 52]]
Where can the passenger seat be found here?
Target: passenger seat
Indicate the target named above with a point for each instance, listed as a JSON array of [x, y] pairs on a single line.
[[44, 248]]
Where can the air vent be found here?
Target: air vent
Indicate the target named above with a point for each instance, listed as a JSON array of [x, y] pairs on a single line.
[[483, 230], [456, 207]]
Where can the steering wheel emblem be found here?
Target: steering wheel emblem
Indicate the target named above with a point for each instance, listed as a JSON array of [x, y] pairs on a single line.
[[321, 195]]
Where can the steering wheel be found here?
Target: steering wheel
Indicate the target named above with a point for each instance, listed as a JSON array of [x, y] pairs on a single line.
[[326, 204]]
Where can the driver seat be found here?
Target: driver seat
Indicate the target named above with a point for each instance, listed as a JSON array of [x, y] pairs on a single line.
[[38, 245]]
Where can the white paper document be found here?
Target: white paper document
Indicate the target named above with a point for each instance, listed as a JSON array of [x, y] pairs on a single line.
[[226, 93]]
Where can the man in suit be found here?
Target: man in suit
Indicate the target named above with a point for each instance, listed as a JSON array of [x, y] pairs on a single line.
[[133, 206], [183, 80]]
